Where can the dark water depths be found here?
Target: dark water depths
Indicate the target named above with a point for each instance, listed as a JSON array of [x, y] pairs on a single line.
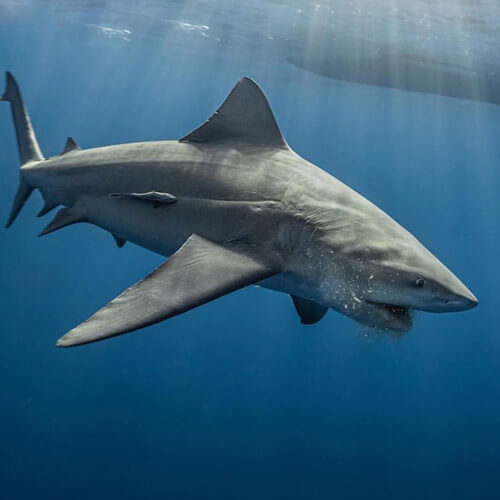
[[236, 399]]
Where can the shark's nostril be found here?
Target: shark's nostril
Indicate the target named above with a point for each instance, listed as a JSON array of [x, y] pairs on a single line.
[[462, 303]]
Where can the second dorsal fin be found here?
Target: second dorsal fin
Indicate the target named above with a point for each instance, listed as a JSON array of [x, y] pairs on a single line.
[[245, 115], [70, 145]]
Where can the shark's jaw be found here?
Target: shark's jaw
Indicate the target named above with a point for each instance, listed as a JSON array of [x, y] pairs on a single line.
[[391, 317]]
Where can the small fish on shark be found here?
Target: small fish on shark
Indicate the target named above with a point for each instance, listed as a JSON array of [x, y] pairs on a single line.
[[232, 205]]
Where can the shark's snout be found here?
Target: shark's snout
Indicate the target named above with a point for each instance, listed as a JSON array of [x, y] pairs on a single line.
[[462, 302], [457, 296], [449, 295]]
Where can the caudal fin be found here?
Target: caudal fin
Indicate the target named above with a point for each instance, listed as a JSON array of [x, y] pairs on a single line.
[[29, 150], [22, 195]]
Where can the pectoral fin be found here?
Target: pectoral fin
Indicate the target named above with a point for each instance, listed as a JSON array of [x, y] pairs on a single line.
[[309, 312], [198, 272]]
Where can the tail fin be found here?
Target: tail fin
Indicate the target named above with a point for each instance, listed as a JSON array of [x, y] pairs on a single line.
[[22, 195], [29, 150]]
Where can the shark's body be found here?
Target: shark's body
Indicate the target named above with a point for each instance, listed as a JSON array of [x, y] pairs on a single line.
[[244, 209]]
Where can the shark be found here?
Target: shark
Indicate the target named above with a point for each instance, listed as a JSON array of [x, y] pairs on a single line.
[[232, 205]]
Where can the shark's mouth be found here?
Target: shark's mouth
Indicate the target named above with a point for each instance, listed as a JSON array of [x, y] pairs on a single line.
[[394, 318]]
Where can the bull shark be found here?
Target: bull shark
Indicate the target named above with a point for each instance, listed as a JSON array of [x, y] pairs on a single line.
[[232, 205]]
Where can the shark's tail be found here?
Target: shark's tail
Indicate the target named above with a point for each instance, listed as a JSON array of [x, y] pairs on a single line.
[[29, 150]]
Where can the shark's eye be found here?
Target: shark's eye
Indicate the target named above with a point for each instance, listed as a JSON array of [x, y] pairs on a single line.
[[419, 283]]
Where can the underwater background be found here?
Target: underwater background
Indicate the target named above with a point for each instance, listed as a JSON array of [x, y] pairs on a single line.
[[237, 399]]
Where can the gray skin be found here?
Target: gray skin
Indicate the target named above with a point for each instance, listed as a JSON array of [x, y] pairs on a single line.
[[324, 242]]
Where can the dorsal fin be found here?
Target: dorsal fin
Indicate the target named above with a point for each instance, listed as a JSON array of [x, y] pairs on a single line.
[[245, 115], [70, 145]]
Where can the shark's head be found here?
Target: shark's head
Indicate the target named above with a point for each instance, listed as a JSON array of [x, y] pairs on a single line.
[[406, 277], [381, 273]]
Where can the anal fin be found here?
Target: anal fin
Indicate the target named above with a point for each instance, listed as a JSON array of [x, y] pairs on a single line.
[[64, 217], [49, 205]]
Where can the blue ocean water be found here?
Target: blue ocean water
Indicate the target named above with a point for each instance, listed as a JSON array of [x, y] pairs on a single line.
[[236, 399]]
